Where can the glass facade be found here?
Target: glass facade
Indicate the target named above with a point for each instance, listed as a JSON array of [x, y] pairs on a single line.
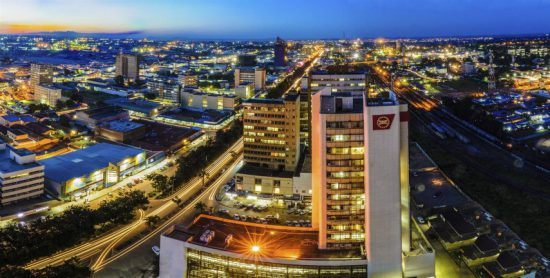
[[206, 265], [345, 192]]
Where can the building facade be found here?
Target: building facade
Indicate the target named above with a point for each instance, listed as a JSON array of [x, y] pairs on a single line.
[[360, 176], [92, 168], [279, 53], [21, 177], [166, 89], [188, 80], [47, 94], [337, 81], [40, 74], [127, 66], [250, 75], [271, 138], [208, 101]]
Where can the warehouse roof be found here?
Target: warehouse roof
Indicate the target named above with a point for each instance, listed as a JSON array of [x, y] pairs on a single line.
[[85, 161]]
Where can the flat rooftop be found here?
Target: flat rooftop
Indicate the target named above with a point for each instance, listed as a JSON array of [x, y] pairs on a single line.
[[122, 126], [140, 105], [85, 161], [8, 165], [275, 242], [248, 169]]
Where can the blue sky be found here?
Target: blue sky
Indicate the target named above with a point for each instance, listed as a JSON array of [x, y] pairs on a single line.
[[293, 19]]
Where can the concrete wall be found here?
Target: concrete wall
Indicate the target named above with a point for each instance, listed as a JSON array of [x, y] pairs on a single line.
[[383, 193], [173, 262]]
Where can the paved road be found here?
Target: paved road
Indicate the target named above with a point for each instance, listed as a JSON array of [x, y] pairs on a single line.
[[141, 261], [160, 208]]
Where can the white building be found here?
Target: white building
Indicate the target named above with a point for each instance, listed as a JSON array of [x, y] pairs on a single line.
[[21, 177], [360, 180], [47, 94], [249, 75], [208, 101]]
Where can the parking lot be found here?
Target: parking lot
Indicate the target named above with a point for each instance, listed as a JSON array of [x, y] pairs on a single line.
[[264, 210]]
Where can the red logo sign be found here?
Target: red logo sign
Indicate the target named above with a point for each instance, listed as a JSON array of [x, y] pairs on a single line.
[[381, 122]]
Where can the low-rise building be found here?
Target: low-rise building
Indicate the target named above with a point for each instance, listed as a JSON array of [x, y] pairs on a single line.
[[11, 119], [121, 130], [238, 249], [21, 177], [77, 173], [137, 107], [95, 117], [208, 101]]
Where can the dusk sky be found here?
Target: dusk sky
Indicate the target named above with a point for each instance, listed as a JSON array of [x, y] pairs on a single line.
[[292, 19]]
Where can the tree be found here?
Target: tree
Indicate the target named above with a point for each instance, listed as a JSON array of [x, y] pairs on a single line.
[[119, 80], [150, 96], [204, 175], [152, 220], [200, 206], [159, 182], [59, 105]]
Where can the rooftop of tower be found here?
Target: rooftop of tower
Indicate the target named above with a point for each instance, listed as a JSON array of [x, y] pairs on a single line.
[[275, 242]]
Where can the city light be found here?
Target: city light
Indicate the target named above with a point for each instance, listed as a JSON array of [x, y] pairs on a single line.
[[255, 248]]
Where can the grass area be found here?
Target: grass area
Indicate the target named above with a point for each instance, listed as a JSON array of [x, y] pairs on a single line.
[[463, 85], [523, 213]]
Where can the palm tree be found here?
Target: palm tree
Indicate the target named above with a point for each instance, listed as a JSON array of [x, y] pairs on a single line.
[[204, 175], [233, 155]]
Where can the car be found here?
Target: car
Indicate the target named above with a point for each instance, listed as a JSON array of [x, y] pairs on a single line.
[[156, 250], [223, 211], [236, 216], [243, 217]]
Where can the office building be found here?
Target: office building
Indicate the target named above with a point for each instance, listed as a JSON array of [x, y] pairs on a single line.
[[279, 53], [21, 177], [127, 66], [165, 88], [271, 147], [246, 60], [189, 80], [271, 138], [40, 74], [249, 75], [47, 94], [338, 79], [95, 167]]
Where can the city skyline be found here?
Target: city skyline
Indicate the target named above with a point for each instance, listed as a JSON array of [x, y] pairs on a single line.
[[217, 19]]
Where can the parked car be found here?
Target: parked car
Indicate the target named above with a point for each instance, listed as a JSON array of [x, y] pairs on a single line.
[[156, 250]]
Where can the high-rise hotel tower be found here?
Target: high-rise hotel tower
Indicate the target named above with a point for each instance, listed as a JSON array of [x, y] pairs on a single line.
[[360, 176]]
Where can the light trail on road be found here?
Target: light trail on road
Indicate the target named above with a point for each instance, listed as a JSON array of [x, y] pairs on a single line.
[[211, 190], [89, 249]]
